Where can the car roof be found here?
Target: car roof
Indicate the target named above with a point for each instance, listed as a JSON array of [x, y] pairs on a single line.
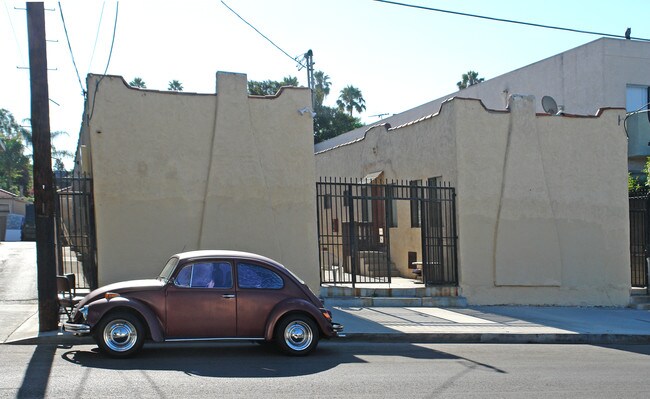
[[222, 253]]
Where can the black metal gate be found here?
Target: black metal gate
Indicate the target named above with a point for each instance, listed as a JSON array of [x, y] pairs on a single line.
[[639, 239], [76, 247], [359, 219]]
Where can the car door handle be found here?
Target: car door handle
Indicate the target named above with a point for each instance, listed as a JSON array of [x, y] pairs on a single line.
[[228, 295]]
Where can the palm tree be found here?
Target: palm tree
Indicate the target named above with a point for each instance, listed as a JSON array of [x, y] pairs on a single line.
[[469, 79], [289, 81], [321, 87], [138, 82], [351, 99], [175, 85], [26, 135]]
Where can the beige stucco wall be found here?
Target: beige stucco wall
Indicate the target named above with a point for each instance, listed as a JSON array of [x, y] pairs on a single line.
[[541, 201], [543, 219], [175, 172]]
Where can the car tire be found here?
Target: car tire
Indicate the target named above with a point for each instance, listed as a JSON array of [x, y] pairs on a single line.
[[297, 335], [120, 334]]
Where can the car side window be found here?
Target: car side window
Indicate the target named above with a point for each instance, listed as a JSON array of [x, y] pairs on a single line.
[[184, 276], [205, 275], [254, 276]]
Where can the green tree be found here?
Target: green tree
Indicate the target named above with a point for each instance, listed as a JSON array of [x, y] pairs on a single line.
[[330, 122], [469, 79], [633, 183], [270, 87], [351, 99], [175, 85], [15, 166], [321, 88], [138, 82]]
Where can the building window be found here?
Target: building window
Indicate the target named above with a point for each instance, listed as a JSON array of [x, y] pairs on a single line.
[[416, 205], [433, 181], [636, 98], [412, 258]]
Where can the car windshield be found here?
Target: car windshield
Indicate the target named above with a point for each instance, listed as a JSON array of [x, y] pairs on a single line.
[[168, 270]]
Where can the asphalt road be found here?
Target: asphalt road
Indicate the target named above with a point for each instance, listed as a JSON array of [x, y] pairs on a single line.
[[18, 264], [335, 370], [18, 292]]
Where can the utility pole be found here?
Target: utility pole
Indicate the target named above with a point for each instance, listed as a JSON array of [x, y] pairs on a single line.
[[43, 180], [309, 60]]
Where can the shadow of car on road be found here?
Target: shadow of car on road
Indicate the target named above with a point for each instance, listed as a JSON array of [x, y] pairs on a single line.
[[248, 360]]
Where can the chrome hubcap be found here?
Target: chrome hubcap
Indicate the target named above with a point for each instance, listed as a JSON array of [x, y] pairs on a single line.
[[298, 335], [120, 335]]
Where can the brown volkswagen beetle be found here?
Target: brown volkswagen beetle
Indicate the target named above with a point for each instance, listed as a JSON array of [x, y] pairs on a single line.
[[206, 295]]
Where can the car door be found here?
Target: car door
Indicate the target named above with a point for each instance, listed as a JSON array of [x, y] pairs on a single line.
[[259, 290], [201, 301]]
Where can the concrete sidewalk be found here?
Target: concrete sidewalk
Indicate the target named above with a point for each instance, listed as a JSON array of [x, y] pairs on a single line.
[[496, 324], [481, 324]]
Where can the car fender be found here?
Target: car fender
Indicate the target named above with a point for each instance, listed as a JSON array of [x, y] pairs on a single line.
[[298, 305], [100, 307]]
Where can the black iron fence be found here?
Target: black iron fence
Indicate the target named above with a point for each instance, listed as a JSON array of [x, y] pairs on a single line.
[[639, 239], [368, 228], [76, 246]]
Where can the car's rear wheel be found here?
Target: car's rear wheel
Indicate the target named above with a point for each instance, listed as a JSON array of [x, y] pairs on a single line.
[[297, 335], [120, 334]]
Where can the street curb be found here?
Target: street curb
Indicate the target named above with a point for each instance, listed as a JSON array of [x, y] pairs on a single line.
[[497, 338], [58, 338]]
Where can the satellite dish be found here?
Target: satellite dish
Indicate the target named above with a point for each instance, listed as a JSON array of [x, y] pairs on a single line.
[[549, 105]]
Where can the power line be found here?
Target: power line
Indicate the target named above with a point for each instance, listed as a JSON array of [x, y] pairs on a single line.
[[65, 29], [101, 16], [261, 34], [20, 50], [110, 54], [510, 21]]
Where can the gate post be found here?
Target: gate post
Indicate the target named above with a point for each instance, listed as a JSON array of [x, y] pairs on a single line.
[[424, 234], [353, 236], [389, 194]]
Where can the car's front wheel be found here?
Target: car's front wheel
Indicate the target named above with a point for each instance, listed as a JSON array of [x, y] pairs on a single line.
[[297, 335], [120, 334]]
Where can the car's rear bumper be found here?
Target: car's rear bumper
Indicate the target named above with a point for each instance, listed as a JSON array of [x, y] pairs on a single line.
[[76, 328]]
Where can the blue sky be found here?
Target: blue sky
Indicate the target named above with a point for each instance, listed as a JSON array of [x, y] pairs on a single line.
[[399, 57]]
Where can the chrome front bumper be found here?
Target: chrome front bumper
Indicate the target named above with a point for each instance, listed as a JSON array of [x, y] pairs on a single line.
[[76, 329]]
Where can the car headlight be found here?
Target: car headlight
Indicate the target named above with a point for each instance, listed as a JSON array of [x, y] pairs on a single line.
[[84, 312]]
